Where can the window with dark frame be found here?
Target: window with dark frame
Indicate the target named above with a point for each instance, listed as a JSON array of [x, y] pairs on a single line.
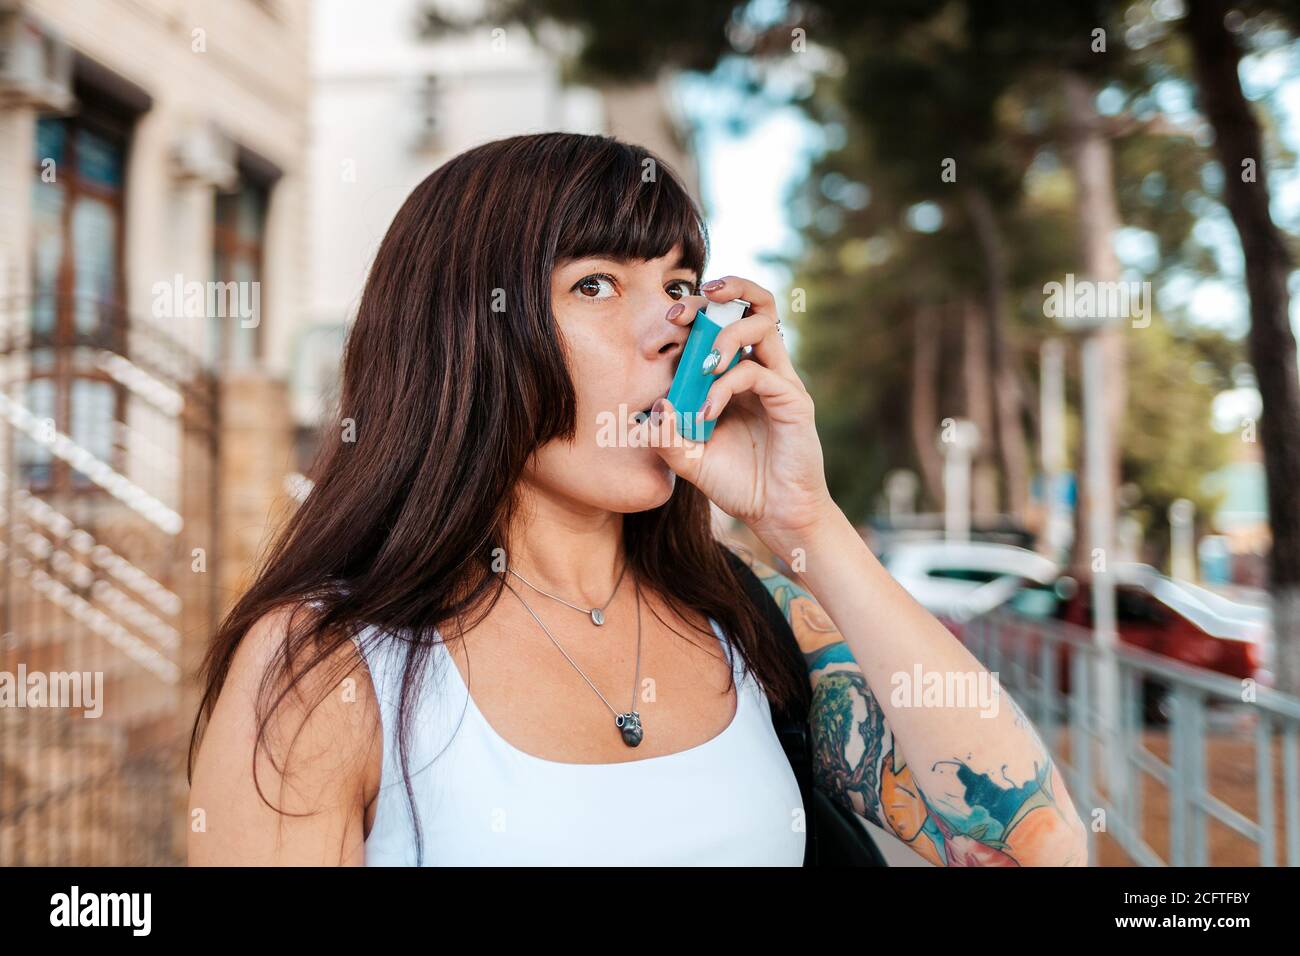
[[239, 228], [78, 229]]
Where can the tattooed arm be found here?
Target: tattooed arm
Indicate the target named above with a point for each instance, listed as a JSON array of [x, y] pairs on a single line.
[[968, 806]]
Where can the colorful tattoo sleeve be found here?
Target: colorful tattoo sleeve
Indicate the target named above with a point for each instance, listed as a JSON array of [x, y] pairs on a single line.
[[977, 819]]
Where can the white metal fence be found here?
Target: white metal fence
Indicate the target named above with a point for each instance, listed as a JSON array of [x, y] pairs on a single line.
[[1051, 669]]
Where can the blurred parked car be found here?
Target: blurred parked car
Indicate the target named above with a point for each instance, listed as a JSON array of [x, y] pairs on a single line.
[[958, 581], [1184, 621]]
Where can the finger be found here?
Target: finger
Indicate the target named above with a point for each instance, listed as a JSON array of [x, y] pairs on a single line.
[[734, 287], [683, 311], [782, 400], [758, 329], [680, 454], [759, 334]]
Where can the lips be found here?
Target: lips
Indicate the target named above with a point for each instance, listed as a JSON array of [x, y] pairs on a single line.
[[644, 414], [648, 408]]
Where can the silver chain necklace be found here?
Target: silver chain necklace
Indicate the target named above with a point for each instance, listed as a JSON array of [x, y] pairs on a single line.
[[597, 614], [628, 724]]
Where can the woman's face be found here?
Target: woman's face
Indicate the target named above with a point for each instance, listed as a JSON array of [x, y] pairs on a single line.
[[622, 352]]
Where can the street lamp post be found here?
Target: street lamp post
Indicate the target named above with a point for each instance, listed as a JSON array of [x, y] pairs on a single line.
[[1182, 540], [1101, 542], [1056, 523], [958, 441], [900, 493]]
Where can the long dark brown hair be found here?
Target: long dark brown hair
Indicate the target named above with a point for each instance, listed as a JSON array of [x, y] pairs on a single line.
[[445, 396]]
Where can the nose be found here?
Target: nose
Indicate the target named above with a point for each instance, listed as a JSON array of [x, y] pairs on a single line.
[[663, 338]]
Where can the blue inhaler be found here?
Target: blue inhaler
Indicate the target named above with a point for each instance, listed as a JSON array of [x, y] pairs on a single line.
[[691, 384]]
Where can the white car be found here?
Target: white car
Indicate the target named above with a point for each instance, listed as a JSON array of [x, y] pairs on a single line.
[[960, 580]]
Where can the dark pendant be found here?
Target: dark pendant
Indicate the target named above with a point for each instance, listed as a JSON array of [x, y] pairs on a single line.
[[630, 725], [597, 616]]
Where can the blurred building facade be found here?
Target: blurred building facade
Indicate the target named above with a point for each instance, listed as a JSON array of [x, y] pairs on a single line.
[[395, 98], [152, 258]]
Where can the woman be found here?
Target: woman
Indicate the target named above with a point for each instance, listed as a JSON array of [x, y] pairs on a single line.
[[376, 697]]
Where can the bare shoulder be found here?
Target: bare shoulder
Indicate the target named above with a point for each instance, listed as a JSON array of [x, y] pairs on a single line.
[[812, 626], [293, 790]]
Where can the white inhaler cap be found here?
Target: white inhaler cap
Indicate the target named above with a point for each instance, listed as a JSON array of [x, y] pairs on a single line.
[[722, 314]]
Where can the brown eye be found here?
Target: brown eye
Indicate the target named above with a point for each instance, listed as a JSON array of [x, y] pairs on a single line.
[[591, 287], [681, 288]]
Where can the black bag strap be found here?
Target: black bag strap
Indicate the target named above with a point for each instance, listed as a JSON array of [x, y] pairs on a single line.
[[790, 723]]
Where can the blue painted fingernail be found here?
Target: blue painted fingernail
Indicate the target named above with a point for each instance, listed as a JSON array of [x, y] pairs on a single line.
[[711, 361]]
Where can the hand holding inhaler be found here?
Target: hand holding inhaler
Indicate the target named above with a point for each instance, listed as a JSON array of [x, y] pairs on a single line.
[[763, 464], [691, 383]]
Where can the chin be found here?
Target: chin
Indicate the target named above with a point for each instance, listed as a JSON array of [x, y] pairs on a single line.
[[644, 486]]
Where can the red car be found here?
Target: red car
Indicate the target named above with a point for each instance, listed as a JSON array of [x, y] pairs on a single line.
[[1181, 621]]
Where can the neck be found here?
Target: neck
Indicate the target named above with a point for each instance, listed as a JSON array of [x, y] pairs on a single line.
[[569, 549]]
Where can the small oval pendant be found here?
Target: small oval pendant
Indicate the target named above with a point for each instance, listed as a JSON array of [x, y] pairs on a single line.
[[597, 616], [630, 725]]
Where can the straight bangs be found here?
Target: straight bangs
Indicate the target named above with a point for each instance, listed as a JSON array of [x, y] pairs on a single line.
[[629, 205]]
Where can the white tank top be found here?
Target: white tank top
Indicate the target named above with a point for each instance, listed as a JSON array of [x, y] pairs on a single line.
[[732, 800]]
